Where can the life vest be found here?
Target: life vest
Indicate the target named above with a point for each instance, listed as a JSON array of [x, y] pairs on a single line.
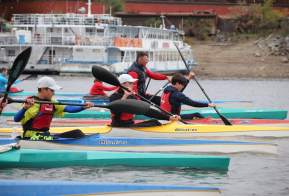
[[142, 76], [123, 116], [41, 122], [165, 102]]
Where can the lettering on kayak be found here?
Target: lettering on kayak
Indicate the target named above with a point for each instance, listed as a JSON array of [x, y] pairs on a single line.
[[112, 142], [209, 111], [188, 129], [250, 111]]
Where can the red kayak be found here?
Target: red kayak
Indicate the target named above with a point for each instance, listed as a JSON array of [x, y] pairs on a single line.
[[208, 120]]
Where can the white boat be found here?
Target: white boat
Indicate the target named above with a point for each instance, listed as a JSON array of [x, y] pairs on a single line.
[[72, 43]]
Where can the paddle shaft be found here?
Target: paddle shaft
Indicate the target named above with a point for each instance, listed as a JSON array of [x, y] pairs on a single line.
[[159, 91], [31, 76], [148, 84], [58, 103], [226, 121], [148, 101]]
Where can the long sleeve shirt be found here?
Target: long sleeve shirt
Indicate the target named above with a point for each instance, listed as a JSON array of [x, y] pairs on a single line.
[[4, 81], [98, 89]]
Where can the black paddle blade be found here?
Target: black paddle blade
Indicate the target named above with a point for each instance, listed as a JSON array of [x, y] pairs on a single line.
[[182, 56], [18, 66], [31, 77], [130, 106], [225, 120], [104, 75]]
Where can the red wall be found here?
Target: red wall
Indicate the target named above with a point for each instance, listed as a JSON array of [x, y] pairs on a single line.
[[97, 8]]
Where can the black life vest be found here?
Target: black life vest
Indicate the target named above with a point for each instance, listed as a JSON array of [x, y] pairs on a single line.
[[142, 76]]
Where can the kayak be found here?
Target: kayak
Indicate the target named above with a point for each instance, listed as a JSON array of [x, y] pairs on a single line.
[[28, 93], [97, 142], [172, 130], [35, 158], [47, 188], [208, 120], [234, 113], [228, 104]]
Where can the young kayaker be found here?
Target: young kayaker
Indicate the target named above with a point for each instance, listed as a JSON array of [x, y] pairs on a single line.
[[120, 119], [4, 81], [172, 97], [36, 118], [97, 91], [138, 70], [3, 105]]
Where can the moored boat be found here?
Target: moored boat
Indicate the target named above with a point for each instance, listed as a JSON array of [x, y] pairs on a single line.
[[172, 130], [47, 188], [97, 142], [34, 158], [234, 113]]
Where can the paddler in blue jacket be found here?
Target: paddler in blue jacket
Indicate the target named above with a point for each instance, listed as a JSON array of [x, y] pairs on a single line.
[[4, 81], [36, 118], [172, 97]]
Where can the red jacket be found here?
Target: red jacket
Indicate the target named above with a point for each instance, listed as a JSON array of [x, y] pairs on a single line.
[[150, 74], [98, 89]]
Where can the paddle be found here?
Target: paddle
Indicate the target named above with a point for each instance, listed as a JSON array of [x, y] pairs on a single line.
[[159, 91], [31, 77], [224, 119], [106, 76], [124, 105], [17, 68], [148, 84]]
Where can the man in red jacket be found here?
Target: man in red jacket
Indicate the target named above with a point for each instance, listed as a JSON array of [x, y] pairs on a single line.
[[138, 70], [97, 91]]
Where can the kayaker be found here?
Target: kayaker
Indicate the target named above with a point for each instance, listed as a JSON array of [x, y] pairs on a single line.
[[36, 118], [3, 105], [172, 97], [138, 70], [126, 120], [97, 91], [4, 81]]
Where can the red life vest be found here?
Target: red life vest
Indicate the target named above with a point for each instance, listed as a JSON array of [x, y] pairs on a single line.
[[42, 121], [165, 103], [123, 116]]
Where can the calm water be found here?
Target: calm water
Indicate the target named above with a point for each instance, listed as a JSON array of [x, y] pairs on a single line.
[[248, 174]]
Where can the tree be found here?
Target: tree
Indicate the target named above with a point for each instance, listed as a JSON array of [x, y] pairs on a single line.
[[151, 22], [116, 6], [270, 18]]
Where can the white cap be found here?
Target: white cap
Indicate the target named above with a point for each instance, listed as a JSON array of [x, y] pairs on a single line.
[[126, 78], [48, 83]]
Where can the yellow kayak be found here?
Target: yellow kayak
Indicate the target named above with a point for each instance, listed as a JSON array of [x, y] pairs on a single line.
[[172, 129]]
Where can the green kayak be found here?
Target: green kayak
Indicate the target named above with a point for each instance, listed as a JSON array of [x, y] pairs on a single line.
[[233, 113], [32, 158]]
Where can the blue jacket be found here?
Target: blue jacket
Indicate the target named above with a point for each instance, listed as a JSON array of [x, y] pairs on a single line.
[[4, 81], [177, 98]]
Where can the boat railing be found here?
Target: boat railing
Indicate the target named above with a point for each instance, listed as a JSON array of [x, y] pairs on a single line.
[[65, 19]]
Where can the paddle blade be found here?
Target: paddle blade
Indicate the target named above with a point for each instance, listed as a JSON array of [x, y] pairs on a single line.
[[225, 120], [182, 56], [31, 77], [104, 75], [130, 106], [18, 66]]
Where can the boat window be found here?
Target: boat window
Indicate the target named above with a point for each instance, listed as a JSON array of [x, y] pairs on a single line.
[[156, 56], [176, 56], [169, 56], [164, 56], [151, 56], [127, 32], [10, 52], [134, 33], [96, 50], [79, 50], [133, 55], [105, 51]]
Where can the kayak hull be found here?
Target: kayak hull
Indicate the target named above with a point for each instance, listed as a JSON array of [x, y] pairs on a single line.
[[208, 120], [35, 158], [234, 113], [96, 142], [47, 188], [172, 130]]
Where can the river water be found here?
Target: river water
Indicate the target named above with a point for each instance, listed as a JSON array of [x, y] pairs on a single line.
[[248, 174]]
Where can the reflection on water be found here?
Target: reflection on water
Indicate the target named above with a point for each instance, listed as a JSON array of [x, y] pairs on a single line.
[[249, 173]]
